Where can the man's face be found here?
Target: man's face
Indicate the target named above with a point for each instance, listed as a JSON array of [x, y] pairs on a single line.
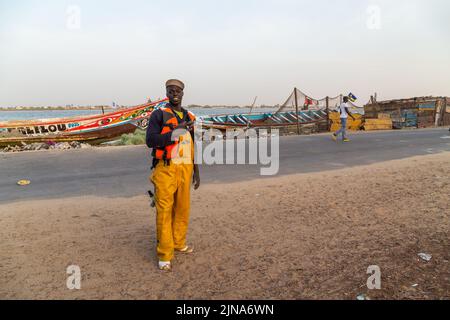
[[175, 95]]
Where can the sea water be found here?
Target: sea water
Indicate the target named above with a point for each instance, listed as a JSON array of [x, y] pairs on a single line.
[[49, 114]]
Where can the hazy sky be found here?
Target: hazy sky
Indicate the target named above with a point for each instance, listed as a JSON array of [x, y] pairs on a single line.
[[227, 52]]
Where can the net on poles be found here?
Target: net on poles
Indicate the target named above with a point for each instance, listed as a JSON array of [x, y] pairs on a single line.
[[305, 102]]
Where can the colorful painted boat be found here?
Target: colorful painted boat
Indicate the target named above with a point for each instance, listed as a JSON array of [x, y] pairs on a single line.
[[263, 120], [93, 129]]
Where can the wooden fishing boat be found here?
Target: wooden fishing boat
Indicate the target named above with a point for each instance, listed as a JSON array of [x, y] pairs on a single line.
[[264, 120], [299, 112], [93, 129]]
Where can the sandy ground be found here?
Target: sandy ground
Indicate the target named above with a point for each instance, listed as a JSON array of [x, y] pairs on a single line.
[[309, 236]]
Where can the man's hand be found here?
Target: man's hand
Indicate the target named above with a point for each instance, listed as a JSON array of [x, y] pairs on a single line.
[[186, 125], [196, 178], [350, 114], [179, 130]]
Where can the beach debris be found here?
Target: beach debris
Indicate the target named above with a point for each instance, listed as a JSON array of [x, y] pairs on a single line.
[[23, 182], [362, 297], [425, 256], [85, 146], [415, 285], [12, 149], [50, 145]]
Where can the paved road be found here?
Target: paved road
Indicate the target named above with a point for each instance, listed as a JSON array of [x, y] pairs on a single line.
[[123, 171]]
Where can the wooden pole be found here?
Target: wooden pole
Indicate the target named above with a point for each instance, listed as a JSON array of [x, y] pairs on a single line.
[[253, 105], [296, 110], [328, 113]]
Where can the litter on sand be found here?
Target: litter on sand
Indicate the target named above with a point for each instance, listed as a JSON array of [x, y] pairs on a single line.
[[362, 297], [425, 256], [23, 182]]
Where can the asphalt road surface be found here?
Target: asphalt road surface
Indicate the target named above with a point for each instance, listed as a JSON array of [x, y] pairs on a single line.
[[124, 171]]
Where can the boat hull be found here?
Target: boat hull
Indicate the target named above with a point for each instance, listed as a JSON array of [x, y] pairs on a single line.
[[95, 137], [93, 129], [265, 120]]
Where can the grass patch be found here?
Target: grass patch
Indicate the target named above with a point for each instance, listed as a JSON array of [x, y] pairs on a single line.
[[136, 138]]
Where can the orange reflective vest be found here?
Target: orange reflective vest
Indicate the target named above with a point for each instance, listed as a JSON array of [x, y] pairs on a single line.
[[170, 123]]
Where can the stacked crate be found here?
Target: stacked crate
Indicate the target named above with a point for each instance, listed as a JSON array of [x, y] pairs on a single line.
[[446, 114], [411, 113], [335, 119], [384, 122]]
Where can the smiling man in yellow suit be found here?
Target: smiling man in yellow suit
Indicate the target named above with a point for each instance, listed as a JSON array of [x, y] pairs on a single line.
[[170, 134]]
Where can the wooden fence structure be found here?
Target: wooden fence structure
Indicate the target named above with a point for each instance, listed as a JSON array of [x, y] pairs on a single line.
[[419, 112]]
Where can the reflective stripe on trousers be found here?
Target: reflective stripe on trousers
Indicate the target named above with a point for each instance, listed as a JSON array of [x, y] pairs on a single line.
[[172, 198]]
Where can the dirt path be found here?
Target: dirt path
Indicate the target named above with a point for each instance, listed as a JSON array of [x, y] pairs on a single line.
[[309, 236]]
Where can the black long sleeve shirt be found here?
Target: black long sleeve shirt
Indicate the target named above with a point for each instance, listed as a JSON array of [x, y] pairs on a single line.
[[154, 138]]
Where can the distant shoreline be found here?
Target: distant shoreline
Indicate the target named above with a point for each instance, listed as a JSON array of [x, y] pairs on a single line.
[[108, 108], [55, 109]]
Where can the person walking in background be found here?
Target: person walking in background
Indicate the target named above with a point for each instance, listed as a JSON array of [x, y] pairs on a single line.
[[345, 113]]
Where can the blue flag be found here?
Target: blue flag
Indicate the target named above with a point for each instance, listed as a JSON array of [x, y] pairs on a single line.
[[352, 97]]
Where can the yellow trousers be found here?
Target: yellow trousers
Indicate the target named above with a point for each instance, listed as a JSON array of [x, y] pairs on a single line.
[[172, 198]]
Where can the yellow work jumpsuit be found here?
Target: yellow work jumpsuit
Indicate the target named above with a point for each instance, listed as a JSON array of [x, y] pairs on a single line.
[[173, 182]]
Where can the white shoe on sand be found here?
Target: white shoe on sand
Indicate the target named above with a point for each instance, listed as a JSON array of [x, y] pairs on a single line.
[[186, 249], [165, 266]]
